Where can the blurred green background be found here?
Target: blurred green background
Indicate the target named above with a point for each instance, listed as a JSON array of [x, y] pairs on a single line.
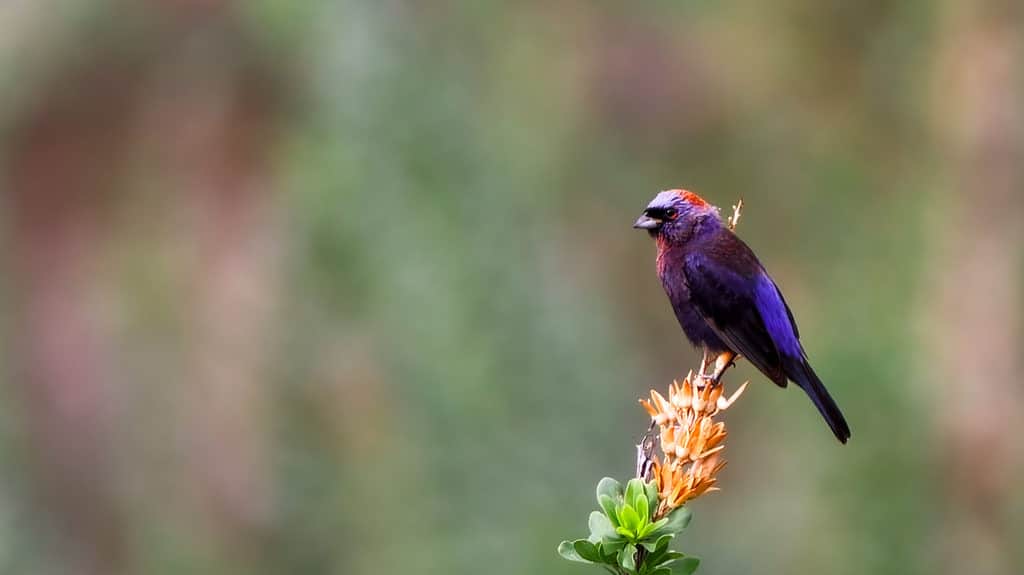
[[350, 287]]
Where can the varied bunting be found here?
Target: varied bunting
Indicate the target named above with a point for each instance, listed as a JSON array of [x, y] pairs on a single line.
[[725, 301]]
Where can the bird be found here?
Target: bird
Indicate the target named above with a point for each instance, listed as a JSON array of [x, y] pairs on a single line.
[[725, 301]]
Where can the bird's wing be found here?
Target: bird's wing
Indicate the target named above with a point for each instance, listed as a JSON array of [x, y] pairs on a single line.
[[745, 309], [789, 314]]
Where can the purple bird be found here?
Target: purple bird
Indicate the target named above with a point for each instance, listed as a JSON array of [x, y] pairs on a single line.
[[725, 301]]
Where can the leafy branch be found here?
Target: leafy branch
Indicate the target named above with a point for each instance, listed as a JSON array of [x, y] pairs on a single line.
[[626, 538], [631, 533]]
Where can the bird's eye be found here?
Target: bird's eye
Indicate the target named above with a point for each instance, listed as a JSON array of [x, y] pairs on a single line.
[[671, 214]]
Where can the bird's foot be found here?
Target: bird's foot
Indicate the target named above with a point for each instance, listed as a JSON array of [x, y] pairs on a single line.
[[722, 363]]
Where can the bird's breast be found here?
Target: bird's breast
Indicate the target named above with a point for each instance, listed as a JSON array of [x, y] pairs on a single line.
[[673, 279]]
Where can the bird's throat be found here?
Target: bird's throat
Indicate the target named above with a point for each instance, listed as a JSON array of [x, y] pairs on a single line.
[[667, 249], [663, 242]]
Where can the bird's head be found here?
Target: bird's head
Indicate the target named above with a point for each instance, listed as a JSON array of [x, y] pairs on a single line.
[[674, 215]]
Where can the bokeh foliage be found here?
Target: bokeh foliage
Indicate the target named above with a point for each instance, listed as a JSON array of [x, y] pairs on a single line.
[[461, 319]]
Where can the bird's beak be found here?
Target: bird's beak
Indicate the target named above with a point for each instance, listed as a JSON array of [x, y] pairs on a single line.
[[646, 222]]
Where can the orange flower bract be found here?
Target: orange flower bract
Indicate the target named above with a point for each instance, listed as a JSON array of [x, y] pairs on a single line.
[[691, 440]]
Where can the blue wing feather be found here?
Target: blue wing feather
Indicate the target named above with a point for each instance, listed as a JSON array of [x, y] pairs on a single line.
[[735, 304], [778, 320]]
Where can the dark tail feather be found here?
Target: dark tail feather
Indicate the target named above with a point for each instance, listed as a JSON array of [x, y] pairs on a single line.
[[801, 373]]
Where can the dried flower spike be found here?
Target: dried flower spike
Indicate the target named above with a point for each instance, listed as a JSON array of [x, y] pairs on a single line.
[[691, 441]]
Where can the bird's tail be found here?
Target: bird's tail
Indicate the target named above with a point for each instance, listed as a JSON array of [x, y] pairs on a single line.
[[801, 373]]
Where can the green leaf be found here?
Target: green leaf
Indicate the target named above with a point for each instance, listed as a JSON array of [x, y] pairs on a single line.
[[627, 557], [611, 548], [642, 510], [659, 544], [667, 556], [608, 505], [643, 533], [566, 550], [662, 571], [657, 525], [607, 555], [684, 566], [586, 550], [628, 518], [660, 554], [651, 489], [601, 527], [609, 487], [634, 491], [678, 519], [649, 529]]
